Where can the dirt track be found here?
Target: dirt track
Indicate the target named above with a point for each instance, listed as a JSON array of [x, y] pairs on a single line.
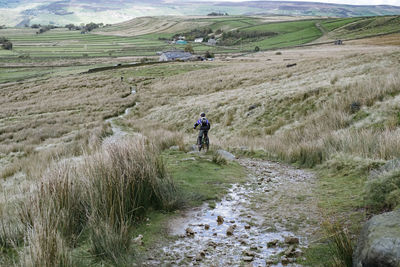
[[274, 204]]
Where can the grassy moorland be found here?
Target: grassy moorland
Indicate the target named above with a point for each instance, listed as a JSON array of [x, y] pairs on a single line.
[[65, 192], [141, 37], [331, 113]]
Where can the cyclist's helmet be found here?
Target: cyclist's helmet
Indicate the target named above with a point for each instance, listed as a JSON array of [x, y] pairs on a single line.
[[202, 114]]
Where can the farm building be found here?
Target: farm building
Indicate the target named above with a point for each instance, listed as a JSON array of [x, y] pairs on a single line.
[[212, 42], [181, 42], [175, 55], [198, 40]]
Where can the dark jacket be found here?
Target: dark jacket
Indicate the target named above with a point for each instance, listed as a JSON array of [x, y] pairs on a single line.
[[204, 124]]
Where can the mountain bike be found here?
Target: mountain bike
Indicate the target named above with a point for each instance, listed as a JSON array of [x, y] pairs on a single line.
[[205, 144]]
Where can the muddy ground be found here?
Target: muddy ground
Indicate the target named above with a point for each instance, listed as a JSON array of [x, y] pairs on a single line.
[[268, 221]]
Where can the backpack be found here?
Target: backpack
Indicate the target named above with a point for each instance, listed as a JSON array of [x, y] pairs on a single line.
[[204, 121]]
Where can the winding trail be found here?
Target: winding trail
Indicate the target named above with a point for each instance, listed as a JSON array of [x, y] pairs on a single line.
[[276, 203], [267, 221]]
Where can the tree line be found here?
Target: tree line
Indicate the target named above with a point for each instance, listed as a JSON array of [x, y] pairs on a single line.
[[232, 37], [5, 43], [195, 33], [85, 27]]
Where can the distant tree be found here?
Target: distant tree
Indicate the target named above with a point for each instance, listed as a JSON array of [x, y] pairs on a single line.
[[3, 40], [256, 49], [70, 26], [144, 60], [209, 55], [91, 26], [218, 14], [189, 48], [7, 45], [2, 27], [35, 26]]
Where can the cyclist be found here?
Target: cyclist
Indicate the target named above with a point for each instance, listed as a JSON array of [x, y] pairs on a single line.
[[204, 128]]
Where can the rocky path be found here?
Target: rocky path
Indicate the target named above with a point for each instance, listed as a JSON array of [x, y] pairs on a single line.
[[265, 222]]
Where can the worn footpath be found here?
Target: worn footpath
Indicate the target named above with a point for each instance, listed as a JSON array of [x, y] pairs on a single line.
[[264, 222]]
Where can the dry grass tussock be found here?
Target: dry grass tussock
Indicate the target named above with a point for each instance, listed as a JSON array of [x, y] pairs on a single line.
[[162, 135], [302, 117], [68, 112], [101, 198]]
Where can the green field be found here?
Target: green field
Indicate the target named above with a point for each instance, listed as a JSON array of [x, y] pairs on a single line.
[[129, 40], [331, 25], [62, 43], [289, 33]]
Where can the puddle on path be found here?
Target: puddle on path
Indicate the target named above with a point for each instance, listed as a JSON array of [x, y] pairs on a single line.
[[244, 208]]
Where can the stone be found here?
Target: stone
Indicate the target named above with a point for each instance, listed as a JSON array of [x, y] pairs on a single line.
[[254, 247], [379, 241], [212, 244], [248, 258], [189, 159], [230, 230], [249, 253], [290, 251], [298, 253], [272, 243], [138, 240], [220, 219], [269, 262], [226, 155], [253, 106], [291, 240], [247, 227], [206, 226], [284, 260], [200, 256], [189, 232], [174, 148]]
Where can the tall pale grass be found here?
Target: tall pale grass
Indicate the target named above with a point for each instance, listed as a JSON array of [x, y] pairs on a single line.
[[107, 194], [329, 130], [125, 180]]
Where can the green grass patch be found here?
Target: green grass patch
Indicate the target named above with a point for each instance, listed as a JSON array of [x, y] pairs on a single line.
[[197, 179], [200, 179], [289, 34], [341, 195], [331, 25], [368, 27], [341, 187]]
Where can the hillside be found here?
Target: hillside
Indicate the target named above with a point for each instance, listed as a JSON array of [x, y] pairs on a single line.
[[70, 51], [45, 12], [98, 168]]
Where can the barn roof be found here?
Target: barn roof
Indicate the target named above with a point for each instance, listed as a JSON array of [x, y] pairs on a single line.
[[171, 55]]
